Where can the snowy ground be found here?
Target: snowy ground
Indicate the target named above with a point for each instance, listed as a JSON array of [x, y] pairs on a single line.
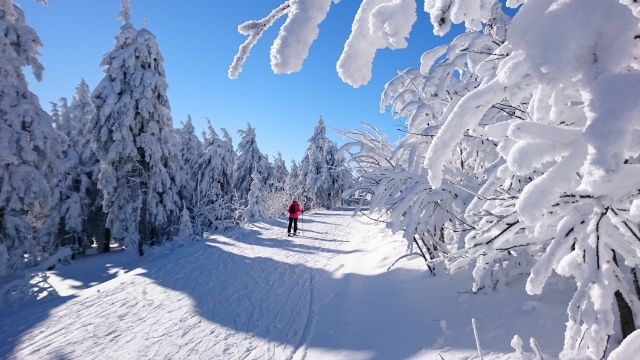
[[254, 293]]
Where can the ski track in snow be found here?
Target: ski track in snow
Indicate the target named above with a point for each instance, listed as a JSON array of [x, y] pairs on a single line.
[[254, 293]]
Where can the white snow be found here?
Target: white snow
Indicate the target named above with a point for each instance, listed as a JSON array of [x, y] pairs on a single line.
[[628, 349], [292, 45], [253, 293], [377, 25]]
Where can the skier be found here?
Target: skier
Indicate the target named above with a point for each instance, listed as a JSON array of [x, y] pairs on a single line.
[[294, 212]]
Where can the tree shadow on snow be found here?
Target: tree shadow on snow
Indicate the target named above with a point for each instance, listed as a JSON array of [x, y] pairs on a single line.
[[393, 315], [14, 323], [313, 221], [255, 238]]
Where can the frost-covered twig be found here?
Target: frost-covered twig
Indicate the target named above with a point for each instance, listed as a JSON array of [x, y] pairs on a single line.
[[404, 257], [254, 29]]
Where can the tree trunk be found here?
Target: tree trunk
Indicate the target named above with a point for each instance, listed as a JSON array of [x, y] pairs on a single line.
[[143, 230], [1, 222], [627, 323], [634, 276], [107, 239], [143, 222]]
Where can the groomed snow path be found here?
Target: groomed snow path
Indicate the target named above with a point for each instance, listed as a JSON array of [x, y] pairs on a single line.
[[254, 293]]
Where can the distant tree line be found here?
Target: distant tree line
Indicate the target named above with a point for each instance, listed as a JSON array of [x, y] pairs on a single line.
[[108, 166]]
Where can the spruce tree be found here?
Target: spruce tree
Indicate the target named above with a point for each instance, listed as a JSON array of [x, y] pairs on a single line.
[[257, 208], [190, 152], [81, 111], [249, 158], [279, 173], [213, 181], [132, 127], [29, 145], [321, 171], [293, 187]]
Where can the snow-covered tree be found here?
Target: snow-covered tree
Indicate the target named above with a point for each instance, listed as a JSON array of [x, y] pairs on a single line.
[[256, 204], [279, 172], [81, 111], [132, 126], [292, 185], [534, 119], [69, 213], [579, 173], [249, 159], [228, 156], [337, 178], [395, 178], [29, 145], [190, 152], [185, 228], [80, 215], [213, 178], [321, 172], [312, 167], [81, 108]]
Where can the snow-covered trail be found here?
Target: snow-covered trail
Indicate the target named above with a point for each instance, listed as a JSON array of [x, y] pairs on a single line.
[[254, 293]]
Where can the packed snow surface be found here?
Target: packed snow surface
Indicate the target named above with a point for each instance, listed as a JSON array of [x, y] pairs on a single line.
[[254, 293]]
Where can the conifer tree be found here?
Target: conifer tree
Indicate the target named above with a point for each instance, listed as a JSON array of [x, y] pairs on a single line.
[[190, 152], [213, 181], [293, 181], [29, 145], [279, 173], [185, 229], [321, 171], [249, 159], [139, 166], [311, 167], [81, 111], [336, 176], [69, 214], [227, 162], [256, 208]]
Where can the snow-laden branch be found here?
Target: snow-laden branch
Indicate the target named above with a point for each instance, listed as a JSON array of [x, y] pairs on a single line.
[[377, 25], [291, 47], [254, 29]]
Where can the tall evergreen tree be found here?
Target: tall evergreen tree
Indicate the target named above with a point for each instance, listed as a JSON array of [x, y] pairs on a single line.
[[81, 219], [81, 111], [257, 208], [29, 145], [132, 128], [249, 158], [293, 181], [227, 161], [190, 152], [279, 172], [336, 177], [69, 214], [321, 171], [213, 181]]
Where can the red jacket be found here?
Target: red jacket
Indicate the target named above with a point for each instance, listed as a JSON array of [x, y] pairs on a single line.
[[298, 210]]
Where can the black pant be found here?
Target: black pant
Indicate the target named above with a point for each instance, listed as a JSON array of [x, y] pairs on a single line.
[[293, 221]]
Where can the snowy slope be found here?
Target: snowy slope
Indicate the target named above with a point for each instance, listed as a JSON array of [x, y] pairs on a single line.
[[254, 293]]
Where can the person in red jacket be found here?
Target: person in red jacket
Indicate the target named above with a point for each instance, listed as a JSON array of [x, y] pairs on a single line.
[[294, 211]]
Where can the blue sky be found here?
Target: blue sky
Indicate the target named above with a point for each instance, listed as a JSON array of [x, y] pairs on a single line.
[[199, 38]]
